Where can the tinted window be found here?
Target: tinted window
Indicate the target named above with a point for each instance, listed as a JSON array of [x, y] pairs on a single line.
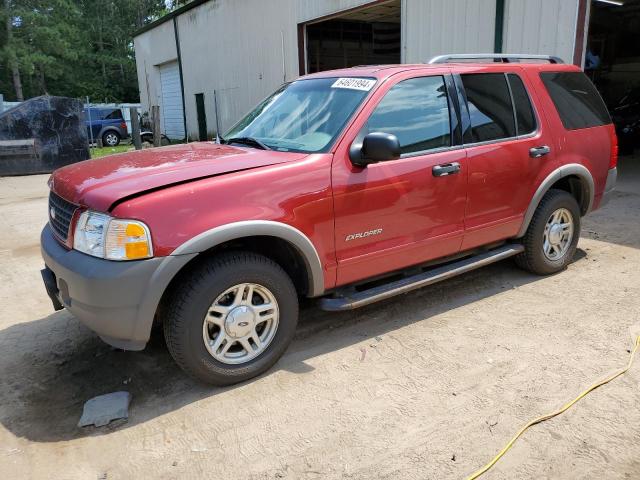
[[416, 111], [113, 115], [525, 118], [578, 102], [94, 114], [489, 106]]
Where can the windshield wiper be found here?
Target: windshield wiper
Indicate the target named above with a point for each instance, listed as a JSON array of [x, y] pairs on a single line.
[[252, 142]]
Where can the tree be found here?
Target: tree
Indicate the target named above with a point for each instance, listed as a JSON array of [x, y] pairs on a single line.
[[73, 48]]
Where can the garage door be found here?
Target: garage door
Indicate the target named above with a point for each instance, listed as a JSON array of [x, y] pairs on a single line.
[[171, 108]]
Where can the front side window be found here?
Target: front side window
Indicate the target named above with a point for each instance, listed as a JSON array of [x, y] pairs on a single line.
[[490, 106], [304, 116], [417, 112]]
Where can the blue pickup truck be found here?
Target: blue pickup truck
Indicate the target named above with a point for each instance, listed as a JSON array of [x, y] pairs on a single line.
[[107, 124]]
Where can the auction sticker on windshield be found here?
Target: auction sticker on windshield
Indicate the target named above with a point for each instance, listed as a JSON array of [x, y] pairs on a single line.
[[364, 84]]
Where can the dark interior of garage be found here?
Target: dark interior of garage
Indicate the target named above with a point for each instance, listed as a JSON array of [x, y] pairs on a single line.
[[366, 36], [612, 61]]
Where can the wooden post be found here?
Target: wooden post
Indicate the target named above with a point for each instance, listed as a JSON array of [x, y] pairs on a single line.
[[155, 116], [135, 128]]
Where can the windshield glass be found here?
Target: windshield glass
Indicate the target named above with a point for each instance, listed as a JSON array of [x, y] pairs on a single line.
[[304, 116]]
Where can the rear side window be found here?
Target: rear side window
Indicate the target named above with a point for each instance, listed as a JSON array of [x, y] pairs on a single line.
[[490, 106], [114, 115], [417, 112], [525, 118], [578, 102]]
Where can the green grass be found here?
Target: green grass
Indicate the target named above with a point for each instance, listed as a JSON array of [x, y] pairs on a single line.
[[104, 151]]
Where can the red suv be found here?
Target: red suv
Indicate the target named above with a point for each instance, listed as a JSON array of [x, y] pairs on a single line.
[[352, 186]]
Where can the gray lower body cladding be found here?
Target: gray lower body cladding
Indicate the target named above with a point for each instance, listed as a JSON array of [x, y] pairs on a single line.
[[117, 300]]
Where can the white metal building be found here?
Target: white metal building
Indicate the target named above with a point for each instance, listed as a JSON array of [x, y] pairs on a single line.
[[235, 52]]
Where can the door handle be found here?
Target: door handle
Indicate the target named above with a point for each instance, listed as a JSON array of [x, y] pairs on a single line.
[[445, 169], [537, 152]]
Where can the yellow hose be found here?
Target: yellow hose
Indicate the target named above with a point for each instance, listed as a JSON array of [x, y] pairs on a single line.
[[553, 414]]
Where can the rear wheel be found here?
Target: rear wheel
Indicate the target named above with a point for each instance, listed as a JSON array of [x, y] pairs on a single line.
[[552, 236], [231, 318], [111, 139]]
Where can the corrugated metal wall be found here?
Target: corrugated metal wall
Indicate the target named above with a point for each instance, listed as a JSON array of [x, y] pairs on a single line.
[[541, 26], [311, 9], [244, 49], [435, 27], [241, 49]]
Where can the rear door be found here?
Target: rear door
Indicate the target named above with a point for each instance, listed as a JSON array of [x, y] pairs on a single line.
[[397, 213], [509, 148]]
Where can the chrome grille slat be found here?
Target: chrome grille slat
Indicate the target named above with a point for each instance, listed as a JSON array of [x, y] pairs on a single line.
[[64, 211]]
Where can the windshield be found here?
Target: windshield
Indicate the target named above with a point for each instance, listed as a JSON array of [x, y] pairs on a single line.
[[303, 116]]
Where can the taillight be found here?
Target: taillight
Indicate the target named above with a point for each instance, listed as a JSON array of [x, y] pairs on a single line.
[[123, 125], [613, 158]]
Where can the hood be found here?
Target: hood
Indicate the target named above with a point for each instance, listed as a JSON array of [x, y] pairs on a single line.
[[101, 182]]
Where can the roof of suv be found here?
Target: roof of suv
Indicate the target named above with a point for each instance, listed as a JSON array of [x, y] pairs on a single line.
[[384, 71]]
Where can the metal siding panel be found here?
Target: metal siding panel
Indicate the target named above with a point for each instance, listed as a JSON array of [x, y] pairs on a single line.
[[309, 10], [235, 48], [435, 27], [541, 27]]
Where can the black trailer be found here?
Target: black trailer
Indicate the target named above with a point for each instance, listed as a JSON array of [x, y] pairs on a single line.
[[42, 134]]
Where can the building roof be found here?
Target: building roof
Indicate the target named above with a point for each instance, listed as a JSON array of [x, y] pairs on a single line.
[[169, 16]]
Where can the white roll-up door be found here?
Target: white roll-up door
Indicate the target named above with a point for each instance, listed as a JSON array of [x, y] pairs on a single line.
[[171, 113]]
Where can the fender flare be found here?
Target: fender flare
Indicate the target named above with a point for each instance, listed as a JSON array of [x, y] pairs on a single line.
[[588, 190], [108, 128], [252, 228]]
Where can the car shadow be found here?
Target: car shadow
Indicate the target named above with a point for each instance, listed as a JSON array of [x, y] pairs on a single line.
[[51, 366], [617, 221]]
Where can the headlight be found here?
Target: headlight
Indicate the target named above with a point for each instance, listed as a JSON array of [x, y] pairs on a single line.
[[102, 236]]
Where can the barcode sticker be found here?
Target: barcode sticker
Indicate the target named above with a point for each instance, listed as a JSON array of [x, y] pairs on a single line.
[[364, 84]]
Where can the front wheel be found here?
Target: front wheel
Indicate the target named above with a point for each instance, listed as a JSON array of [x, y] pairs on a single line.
[[231, 318], [552, 236]]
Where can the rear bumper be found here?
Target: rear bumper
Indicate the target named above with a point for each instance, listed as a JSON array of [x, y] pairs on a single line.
[[117, 300], [610, 186]]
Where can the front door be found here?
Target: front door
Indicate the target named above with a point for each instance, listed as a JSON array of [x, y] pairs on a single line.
[[403, 212]]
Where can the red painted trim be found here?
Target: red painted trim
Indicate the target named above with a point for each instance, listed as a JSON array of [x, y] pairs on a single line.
[[581, 26]]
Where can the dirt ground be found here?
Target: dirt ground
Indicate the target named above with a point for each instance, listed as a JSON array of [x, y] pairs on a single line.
[[429, 385]]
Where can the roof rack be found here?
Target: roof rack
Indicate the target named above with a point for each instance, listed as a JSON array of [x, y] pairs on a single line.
[[496, 57]]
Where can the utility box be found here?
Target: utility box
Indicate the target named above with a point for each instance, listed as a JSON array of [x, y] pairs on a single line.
[[42, 134]]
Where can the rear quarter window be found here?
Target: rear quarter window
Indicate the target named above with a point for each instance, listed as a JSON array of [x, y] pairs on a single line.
[[114, 115], [578, 102]]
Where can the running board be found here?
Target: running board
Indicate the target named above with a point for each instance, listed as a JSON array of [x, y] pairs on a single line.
[[353, 299]]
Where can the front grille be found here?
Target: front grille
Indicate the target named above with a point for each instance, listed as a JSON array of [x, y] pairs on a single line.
[[60, 215]]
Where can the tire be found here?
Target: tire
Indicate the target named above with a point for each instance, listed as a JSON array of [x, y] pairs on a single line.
[[193, 324], [544, 261], [111, 138]]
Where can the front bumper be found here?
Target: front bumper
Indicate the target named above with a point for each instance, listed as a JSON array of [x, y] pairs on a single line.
[[117, 300]]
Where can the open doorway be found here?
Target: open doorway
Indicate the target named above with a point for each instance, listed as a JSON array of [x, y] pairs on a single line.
[[364, 36], [612, 61]]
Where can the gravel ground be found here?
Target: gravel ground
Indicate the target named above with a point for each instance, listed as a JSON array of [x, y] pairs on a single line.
[[428, 385]]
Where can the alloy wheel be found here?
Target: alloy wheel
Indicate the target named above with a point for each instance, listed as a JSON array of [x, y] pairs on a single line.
[[558, 233], [241, 323]]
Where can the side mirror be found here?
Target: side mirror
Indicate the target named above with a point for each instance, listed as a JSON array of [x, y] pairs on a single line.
[[375, 147]]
